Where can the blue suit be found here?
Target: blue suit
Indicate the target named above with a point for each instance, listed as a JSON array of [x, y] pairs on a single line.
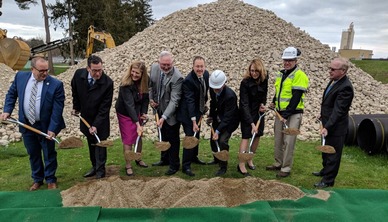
[[51, 109]]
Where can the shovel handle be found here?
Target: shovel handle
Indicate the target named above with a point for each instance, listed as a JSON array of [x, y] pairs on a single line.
[[278, 115], [200, 120], [31, 128]]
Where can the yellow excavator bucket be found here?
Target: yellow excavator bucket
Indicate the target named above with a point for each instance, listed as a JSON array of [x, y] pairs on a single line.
[[14, 53]]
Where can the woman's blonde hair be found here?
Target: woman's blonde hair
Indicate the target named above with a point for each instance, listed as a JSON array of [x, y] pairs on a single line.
[[259, 65], [127, 79]]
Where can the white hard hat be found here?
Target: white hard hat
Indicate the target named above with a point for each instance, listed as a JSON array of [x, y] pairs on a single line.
[[217, 79], [290, 53]]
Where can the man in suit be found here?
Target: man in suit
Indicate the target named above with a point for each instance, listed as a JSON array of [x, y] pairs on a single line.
[[41, 102], [224, 114], [336, 101], [192, 108], [165, 94], [92, 92]]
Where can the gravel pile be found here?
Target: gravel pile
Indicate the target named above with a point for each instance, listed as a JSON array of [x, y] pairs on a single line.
[[228, 33]]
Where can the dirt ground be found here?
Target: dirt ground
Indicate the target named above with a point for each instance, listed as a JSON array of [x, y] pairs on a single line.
[[168, 192]]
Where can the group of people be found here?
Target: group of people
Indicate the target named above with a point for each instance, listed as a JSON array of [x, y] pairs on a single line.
[[178, 101]]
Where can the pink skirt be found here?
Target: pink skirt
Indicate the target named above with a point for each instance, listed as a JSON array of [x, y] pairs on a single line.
[[127, 129]]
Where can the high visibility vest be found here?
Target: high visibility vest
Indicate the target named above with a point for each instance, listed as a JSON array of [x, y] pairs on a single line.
[[295, 80]]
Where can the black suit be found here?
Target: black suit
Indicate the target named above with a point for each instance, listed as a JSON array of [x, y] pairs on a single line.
[[188, 108], [334, 115], [225, 114], [94, 103]]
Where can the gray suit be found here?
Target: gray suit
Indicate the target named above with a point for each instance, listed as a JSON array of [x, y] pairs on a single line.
[[170, 94], [168, 100]]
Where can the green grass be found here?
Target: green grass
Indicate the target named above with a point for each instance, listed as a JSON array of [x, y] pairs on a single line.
[[358, 170], [378, 69]]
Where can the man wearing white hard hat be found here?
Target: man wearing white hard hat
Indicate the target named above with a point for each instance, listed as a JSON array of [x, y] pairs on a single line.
[[223, 115], [291, 84]]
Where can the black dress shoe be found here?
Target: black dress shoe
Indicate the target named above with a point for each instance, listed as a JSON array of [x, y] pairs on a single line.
[[214, 162], [171, 172], [317, 174], [188, 172], [253, 167], [198, 161], [141, 163], [160, 163], [323, 185], [90, 173], [100, 176], [220, 172], [246, 174]]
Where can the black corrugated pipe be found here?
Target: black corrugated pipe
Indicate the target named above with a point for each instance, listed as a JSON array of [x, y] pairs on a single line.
[[354, 122], [372, 135]]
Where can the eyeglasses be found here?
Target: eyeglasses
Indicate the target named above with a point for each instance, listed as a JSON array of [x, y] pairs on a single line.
[[94, 71], [41, 71], [254, 70], [289, 60], [333, 69]]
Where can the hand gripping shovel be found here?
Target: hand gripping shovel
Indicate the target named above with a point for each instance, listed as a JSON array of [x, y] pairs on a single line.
[[189, 142], [287, 130], [100, 143], [13, 120], [160, 145], [325, 148], [221, 155], [134, 155], [249, 155]]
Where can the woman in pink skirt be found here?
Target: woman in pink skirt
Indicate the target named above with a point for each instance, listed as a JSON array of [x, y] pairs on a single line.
[[131, 108]]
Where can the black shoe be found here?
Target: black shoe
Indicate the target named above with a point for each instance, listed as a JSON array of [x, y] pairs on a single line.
[[214, 162], [220, 172], [90, 173], [198, 161], [171, 172], [317, 174], [282, 174], [253, 167], [272, 168], [246, 174], [100, 176], [323, 185], [141, 163], [160, 163], [188, 172]]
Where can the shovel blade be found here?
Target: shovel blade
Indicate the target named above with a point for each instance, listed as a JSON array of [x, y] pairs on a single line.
[[326, 149], [162, 146], [189, 142], [291, 131], [245, 156], [222, 155], [130, 155], [71, 142], [105, 143]]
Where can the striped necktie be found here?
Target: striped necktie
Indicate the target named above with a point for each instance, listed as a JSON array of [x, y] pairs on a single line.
[[31, 105], [202, 95]]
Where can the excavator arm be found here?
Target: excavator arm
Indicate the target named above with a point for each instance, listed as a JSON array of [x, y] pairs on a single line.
[[103, 37]]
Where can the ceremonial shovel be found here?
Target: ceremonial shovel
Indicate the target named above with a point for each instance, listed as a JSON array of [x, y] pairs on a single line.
[[287, 131], [325, 148], [221, 155], [160, 145], [189, 142], [100, 143], [134, 155], [249, 155]]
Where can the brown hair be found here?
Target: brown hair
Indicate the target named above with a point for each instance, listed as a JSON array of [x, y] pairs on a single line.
[[127, 78], [259, 65]]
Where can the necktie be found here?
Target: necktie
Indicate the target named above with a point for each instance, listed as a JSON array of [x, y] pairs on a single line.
[[160, 86], [202, 95], [91, 82], [31, 105], [328, 88]]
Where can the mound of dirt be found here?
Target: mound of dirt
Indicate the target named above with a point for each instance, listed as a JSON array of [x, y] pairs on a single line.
[[115, 192]]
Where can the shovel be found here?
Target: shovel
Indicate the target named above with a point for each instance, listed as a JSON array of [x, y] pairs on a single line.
[[134, 155], [161, 145], [221, 155], [100, 143], [325, 148], [189, 142], [249, 155], [287, 130], [13, 120]]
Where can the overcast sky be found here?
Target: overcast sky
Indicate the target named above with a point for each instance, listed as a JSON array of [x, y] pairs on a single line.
[[323, 20]]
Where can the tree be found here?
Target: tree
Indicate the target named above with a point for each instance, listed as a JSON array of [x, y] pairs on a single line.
[[24, 5]]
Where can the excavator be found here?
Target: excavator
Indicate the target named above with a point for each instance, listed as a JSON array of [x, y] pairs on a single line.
[[103, 37], [15, 53]]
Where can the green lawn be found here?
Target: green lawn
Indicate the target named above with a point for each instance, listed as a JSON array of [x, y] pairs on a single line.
[[358, 170], [378, 69]]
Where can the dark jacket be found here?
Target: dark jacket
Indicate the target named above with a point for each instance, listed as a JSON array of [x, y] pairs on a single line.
[[252, 94], [189, 104], [94, 103], [335, 107], [225, 108], [131, 103]]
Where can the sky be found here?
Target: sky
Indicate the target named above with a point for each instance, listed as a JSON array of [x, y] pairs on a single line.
[[323, 20]]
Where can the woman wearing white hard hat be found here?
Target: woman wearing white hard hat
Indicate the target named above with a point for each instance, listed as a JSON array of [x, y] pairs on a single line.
[[224, 114], [290, 88]]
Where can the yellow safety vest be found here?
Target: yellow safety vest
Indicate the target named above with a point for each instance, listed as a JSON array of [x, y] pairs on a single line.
[[295, 80]]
